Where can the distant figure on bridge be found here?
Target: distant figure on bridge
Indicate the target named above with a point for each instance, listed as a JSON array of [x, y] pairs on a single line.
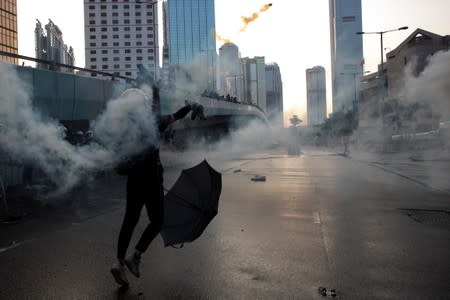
[[144, 187]]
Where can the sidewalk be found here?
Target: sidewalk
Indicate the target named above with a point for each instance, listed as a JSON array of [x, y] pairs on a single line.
[[430, 168]]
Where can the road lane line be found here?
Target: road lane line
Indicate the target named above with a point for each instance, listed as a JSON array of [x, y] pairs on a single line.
[[14, 245], [316, 217]]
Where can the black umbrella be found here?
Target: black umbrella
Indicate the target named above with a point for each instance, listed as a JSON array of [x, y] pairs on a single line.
[[191, 204]]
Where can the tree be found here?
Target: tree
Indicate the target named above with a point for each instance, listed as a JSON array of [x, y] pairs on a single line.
[[295, 120]]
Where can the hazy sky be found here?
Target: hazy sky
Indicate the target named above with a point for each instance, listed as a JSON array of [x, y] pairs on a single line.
[[291, 33]]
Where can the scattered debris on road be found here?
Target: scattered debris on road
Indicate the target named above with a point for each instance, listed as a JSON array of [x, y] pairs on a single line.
[[259, 178], [237, 171], [327, 292]]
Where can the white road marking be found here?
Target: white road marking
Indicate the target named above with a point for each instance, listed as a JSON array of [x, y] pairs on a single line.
[[14, 245], [316, 218]]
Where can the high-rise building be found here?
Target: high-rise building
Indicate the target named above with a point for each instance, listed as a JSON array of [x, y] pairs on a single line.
[[254, 75], [346, 51], [8, 30], [316, 95], [50, 46], [120, 35], [191, 39], [274, 94], [229, 70]]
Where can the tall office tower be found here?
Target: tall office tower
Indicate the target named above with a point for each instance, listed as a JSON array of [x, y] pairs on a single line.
[[165, 55], [8, 30], [316, 95], [274, 94], [50, 46], [230, 73], [254, 75], [120, 35], [346, 52], [192, 41]]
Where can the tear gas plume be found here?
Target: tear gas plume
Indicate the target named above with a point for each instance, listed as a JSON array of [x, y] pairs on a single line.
[[241, 143], [222, 39], [126, 126], [254, 16], [432, 85]]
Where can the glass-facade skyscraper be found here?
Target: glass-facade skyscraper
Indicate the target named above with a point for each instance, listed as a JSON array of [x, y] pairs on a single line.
[[8, 30], [191, 37], [346, 52]]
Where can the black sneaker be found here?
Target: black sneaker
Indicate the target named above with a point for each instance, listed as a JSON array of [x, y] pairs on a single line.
[[118, 271], [132, 262]]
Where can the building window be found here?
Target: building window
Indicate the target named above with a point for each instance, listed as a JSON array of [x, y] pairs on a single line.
[[93, 59], [138, 28], [149, 13], [92, 29], [104, 29], [127, 66], [104, 67], [92, 44], [116, 58], [127, 58], [139, 43], [92, 37], [126, 28], [104, 37], [91, 6], [116, 44], [128, 73], [115, 22], [126, 6], [93, 51], [115, 36], [127, 44], [116, 66], [115, 14], [126, 21], [139, 58], [137, 14], [116, 51], [115, 28], [91, 15], [104, 22], [104, 51], [127, 51], [127, 36], [114, 6], [137, 6], [93, 67], [92, 22], [103, 7], [104, 44], [138, 50], [104, 59], [348, 19]]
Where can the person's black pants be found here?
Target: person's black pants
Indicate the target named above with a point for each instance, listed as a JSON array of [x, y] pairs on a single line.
[[142, 189]]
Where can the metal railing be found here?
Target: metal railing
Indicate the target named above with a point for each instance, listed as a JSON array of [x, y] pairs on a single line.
[[56, 64]]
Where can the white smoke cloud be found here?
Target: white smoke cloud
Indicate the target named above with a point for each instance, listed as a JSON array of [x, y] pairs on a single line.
[[432, 85], [126, 126]]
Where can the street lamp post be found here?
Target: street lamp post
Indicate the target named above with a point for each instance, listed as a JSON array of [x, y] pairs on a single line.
[[381, 74]]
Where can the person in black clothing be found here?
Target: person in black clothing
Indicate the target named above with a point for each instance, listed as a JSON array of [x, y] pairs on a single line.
[[145, 187]]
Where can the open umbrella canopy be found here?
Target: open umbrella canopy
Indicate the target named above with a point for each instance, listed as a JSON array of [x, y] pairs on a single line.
[[191, 204]]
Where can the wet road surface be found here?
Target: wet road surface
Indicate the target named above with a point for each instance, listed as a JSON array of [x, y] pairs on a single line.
[[319, 220]]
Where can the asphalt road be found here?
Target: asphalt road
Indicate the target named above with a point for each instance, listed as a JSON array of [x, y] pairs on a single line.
[[318, 221]]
